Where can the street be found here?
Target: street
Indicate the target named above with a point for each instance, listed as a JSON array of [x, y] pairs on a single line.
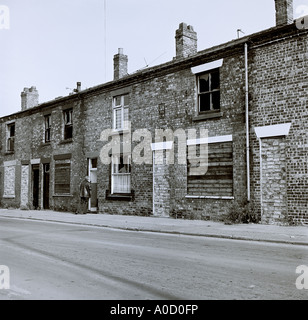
[[49, 260]]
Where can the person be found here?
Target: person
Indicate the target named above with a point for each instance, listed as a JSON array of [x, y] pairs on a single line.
[[85, 194]]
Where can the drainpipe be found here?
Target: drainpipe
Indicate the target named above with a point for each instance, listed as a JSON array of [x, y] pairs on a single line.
[[247, 122]]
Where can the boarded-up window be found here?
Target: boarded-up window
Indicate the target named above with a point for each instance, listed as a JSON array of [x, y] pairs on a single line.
[[218, 180], [9, 181], [62, 178]]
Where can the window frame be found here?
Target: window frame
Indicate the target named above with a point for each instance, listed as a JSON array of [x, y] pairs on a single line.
[[122, 107], [47, 128], [68, 125], [210, 91], [117, 174], [10, 141]]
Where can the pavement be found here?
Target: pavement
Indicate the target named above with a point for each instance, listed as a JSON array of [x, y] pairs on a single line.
[[297, 235]]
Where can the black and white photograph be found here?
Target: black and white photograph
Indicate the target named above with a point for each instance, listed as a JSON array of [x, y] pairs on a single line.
[[153, 154]]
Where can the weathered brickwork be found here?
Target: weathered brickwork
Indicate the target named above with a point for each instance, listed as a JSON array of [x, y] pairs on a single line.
[[273, 180], [166, 97], [31, 151], [279, 90]]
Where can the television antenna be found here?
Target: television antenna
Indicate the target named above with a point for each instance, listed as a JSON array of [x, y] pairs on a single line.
[[238, 33]]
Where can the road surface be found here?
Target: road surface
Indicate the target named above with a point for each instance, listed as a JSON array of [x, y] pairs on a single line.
[[50, 261]]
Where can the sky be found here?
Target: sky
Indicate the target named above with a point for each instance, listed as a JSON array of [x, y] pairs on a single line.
[[53, 44]]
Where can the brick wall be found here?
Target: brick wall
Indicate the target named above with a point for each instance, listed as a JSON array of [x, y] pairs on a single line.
[[278, 92], [273, 180], [31, 149], [165, 97]]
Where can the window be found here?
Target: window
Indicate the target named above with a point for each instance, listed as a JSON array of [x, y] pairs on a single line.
[[47, 128], [120, 112], [11, 137], [209, 91], [62, 177], [121, 172], [68, 124], [218, 180]]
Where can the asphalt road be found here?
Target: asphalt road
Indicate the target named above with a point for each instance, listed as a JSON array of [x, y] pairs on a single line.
[[63, 261]]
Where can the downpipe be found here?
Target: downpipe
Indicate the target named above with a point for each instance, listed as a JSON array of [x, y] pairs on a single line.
[[247, 122]]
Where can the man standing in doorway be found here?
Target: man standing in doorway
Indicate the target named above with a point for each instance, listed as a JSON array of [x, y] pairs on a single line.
[[85, 194]]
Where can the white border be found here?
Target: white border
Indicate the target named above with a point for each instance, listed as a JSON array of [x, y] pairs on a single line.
[[10, 163], [35, 161], [273, 131], [228, 138], [207, 66], [165, 145]]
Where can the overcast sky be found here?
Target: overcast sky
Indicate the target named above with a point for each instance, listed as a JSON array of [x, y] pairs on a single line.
[[52, 44]]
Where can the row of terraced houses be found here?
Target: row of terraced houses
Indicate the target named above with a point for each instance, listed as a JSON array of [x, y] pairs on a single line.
[[250, 94]]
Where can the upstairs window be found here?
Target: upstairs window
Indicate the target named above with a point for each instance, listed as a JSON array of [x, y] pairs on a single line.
[[209, 91], [120, 112], [68, 124], [48, 128], [10, 137]]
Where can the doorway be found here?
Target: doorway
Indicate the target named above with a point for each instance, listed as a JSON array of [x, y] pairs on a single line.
[[46, 180], [161, 184], [35, 186], [92, 172]]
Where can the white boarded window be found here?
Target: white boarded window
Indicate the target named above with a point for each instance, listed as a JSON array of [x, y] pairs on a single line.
[[9, 181]]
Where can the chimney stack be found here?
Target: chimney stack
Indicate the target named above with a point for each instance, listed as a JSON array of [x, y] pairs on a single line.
[[29, 98], [284, 12], [186, 41], [120, 62]]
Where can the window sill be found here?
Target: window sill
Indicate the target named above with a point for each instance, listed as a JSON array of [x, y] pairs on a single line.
[[210, 197], [63, 195], [9, 152], [208, 115], [66, 141], [45, 144], [120, 196], [119, 131]]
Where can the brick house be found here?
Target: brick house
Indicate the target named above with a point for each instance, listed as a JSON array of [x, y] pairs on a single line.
[[248, 97]]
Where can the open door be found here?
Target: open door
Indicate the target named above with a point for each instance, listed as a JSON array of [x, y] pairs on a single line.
[[92, 164], [35, 186], [46, 186]]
